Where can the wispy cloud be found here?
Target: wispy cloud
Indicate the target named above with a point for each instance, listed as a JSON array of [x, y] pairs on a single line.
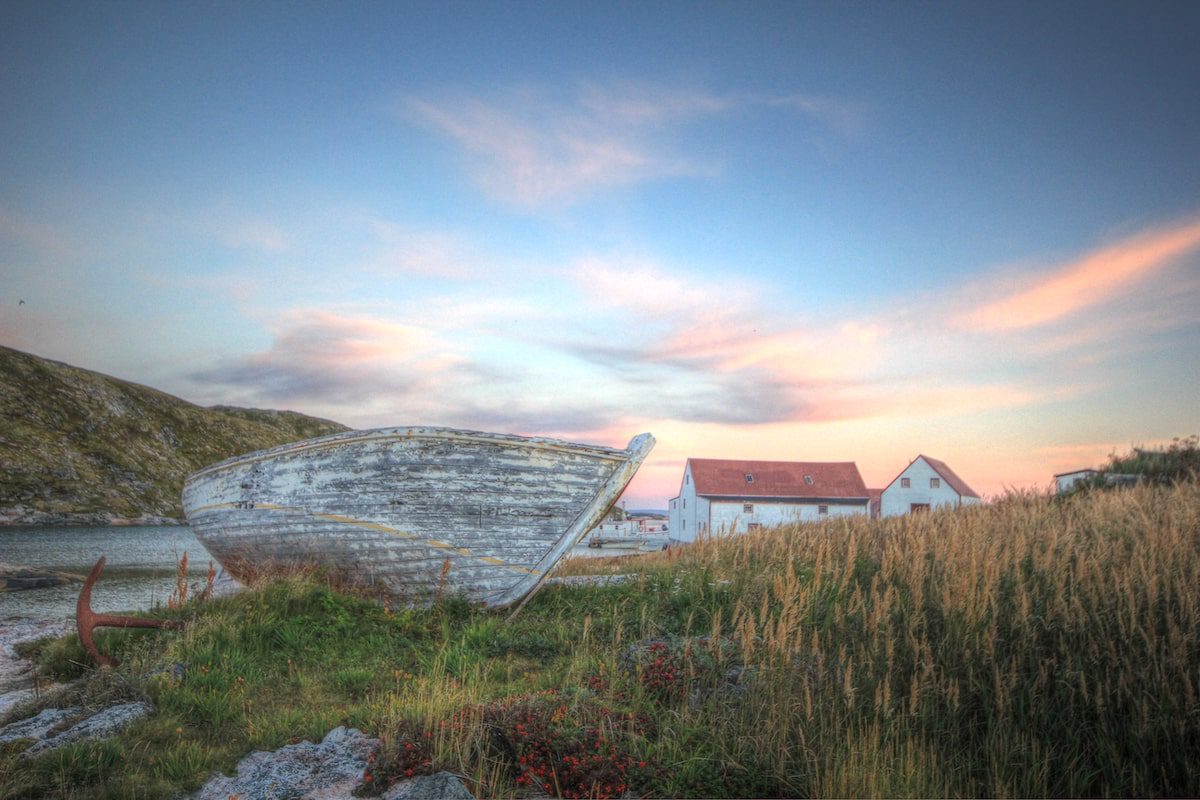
[[529, 149], [433, 254], [1092, 279], [328, 359]]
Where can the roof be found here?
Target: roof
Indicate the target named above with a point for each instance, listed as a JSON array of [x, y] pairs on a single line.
[[950, 477], [1075, 472], [784, 479]]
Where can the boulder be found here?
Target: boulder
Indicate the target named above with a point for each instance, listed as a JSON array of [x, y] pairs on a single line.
[[330, 770], [438, 786], [37, 726], [14, 578], [100, 725]]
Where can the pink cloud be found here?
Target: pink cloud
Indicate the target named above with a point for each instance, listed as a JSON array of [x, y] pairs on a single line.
[[1089, 280]]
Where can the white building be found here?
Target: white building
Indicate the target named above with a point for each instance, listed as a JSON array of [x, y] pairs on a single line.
[[1065, 481], [724, 496], [925, 484]]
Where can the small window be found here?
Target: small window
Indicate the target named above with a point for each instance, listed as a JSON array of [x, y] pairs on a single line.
[[685, 502], [749, 478], [747, 508], [822, 509], [808, 480], [934, 483], [687, 478], [905, 483]]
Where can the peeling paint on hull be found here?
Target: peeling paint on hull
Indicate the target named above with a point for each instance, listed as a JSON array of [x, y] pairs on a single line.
[[390, 507]]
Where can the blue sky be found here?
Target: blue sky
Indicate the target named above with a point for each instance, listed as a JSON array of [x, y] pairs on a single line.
[[794, 231]]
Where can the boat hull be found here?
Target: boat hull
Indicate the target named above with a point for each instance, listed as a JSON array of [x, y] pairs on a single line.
[[411, 511]]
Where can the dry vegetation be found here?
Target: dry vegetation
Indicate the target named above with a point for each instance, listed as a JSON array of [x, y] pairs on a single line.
[[1034, 647]]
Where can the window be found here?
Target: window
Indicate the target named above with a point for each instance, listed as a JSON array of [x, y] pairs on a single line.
[[749, 478], [822, 509], [687, 478], [905, 483], [934, 483], [808, 480], [747, 508], [685, 502]]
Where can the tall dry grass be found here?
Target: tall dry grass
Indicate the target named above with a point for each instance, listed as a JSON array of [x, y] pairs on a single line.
[[1035, 647]]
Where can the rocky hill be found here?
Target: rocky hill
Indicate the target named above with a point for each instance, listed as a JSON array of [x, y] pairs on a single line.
[[79, 446]]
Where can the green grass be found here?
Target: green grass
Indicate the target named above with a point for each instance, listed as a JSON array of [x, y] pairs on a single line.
[[1035, 647]]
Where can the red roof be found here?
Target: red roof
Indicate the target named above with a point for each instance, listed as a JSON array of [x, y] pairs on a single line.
[[949, 476], [826, 480]]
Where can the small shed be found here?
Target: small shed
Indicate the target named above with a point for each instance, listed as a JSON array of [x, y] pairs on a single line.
[[1065, 481]]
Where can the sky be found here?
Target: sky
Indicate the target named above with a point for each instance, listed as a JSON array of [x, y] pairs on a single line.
[[798, 231]]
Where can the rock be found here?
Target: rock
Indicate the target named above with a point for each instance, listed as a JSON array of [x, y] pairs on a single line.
[[17, 674], [100, 725], [438, 786], [36, 727], [14, 577], [330, 770], [175, 672]]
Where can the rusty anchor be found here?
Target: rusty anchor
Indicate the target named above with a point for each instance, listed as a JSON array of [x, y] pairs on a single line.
[[86, 620]]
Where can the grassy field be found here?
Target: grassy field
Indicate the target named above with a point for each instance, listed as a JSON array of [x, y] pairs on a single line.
[[1033, 647]]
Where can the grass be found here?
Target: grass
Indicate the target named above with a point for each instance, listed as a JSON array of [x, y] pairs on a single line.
[[1033, 647]]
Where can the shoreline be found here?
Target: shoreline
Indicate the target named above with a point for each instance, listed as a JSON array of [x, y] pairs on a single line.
[[17, 674], [28, 518]]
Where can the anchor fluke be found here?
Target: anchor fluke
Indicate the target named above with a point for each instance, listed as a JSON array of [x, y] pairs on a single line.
[[87, 620]]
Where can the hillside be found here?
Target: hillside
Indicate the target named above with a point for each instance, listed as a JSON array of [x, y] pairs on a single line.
[[79, 446]]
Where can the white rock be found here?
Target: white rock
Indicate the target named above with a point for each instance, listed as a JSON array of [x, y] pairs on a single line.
[[36, 727], [100, 725], [438, 786], [330, 770]]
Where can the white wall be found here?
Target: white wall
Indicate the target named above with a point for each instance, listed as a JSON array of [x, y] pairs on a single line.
[[898, 500], [1064, 483], [687, 510], [730, 516]]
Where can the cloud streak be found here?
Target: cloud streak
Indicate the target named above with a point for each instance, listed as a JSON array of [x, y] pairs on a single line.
[[1088, 281], [529, 150]]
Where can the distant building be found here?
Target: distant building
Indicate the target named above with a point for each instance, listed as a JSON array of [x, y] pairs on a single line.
[[727, 496], [1065, 481], [923, 485]]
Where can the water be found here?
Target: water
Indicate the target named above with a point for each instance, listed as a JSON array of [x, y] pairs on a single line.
[[139, 574]]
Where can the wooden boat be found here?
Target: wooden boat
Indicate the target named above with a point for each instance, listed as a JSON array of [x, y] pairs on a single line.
[[411, 510]]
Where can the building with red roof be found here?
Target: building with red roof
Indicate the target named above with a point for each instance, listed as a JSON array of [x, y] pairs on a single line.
[[734, 496], [925, 484]]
